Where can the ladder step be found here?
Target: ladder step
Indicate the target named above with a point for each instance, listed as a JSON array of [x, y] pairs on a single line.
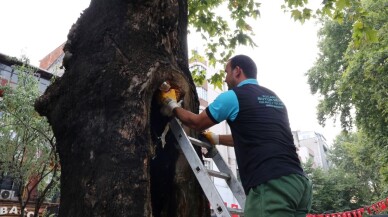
[[236, 211], [218, 174], [198, 142]]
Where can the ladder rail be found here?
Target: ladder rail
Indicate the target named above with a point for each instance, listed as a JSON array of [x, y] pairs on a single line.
[[232, 182], [199, 170]]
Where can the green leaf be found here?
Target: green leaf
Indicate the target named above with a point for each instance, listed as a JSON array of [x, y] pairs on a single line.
[[296, 14], [217, 79], [371, 35], [341, 4], [358, 25]]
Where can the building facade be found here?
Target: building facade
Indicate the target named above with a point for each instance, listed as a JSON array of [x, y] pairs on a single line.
[[52, 62], [9, 75], [312, 145]]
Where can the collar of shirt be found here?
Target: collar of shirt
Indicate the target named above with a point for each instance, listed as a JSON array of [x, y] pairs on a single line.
[[248, 81]]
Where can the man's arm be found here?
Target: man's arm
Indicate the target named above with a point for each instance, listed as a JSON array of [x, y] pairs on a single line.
[[201, 122], [197, 122], [226, 140]]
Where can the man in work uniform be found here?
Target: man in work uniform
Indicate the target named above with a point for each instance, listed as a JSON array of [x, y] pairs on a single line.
[[269, 167]]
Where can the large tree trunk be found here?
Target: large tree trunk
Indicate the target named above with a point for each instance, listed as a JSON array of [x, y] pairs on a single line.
[[106, 118]]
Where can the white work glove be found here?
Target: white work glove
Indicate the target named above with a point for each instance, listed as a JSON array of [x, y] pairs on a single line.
[[213, 138], [167, 109], [169, 101]]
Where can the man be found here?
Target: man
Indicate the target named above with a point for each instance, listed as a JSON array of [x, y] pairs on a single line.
[[270, 170]]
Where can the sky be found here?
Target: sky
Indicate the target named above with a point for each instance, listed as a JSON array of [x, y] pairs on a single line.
[[286, 49]]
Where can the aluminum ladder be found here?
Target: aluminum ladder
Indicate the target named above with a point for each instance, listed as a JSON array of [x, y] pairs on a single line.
[[203, 175]]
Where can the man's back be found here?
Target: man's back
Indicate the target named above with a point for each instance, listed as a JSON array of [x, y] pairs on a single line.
[[262, 136]]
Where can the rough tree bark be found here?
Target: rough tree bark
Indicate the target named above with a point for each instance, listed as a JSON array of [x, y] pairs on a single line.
[[106, 118]]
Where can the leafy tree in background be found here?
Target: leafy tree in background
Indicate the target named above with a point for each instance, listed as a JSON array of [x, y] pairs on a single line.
[[325, 76], [333, 191], [355, 156], [352, 181], [352, 75], [27, 150]]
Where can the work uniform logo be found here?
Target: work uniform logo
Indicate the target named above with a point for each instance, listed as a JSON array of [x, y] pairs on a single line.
[[270, 101]]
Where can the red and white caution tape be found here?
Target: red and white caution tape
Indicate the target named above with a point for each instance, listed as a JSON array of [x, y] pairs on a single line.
[[375, 208]]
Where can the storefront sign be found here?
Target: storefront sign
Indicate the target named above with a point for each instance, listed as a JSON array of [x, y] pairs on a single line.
[[14, 210]]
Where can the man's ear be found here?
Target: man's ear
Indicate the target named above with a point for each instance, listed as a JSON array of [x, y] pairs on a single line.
[[238, 71]]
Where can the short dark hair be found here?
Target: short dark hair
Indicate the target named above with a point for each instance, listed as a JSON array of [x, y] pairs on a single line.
[[246, 64]]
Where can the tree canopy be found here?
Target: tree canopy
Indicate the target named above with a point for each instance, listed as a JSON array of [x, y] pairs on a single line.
[[222, 34], [351, 75]]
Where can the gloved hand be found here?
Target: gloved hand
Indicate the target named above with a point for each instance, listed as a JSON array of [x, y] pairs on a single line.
[[166, 110], [213, 138], [169, 101]]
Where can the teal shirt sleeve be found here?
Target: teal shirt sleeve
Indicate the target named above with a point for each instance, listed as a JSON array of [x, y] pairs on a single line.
[[224, 107]]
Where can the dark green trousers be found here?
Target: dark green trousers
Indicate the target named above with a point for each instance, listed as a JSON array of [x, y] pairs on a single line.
[[287, 196]]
